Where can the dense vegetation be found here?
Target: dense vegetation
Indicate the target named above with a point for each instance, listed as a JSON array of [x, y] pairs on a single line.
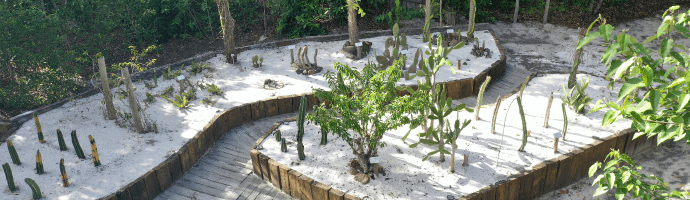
[[48, 47]]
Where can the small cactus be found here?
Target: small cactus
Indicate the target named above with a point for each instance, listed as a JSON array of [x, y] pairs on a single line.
[[324, 136], [13, 153], [523, 86], [39, 163], [61, 141], [493, 120], [565, 121], [524, 125], [9, 177], [77, 147], [94, 152], [283, 146], [39, 130], [300, 151], [278, 135], [300, 125], [35, 190], [480, 97], [63, 172]]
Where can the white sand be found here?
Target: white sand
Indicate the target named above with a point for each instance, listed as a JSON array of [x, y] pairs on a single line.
[[408, 177], [126, 155]]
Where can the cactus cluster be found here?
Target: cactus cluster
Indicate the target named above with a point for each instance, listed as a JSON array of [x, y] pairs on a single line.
[[61, 141], [481, 96], [9, 177], [94, 152], [278, 135], [257, 61], [478, 51], [63, 173], [398, 42], [13, 153], [302, 64], [39, 130], [300, 127], [39, 163], [77, 147], [35, 190]]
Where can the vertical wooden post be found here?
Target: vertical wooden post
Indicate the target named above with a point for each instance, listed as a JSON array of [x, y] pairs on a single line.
[[546, 11], [105, 84], [228, 24], [133, 103], [517, 8], [292, 56], [555, 146]]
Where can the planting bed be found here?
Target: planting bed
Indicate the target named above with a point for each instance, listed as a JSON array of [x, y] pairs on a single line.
[[408, 177], [143, 165]]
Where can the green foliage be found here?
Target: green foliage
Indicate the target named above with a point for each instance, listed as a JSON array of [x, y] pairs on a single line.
[[197, 68], [35, 190], [621, 174], [9, 177], [208, 101], [430, 103], [180, 101], [661, 110], [297, 18], [169, 90], [137, 59], [13, 153], [213, 89], [149, 98], [576, 98], [615, 2], [364, 102], [77, 146]]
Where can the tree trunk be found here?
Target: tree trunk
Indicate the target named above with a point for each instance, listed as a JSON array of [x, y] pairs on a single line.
[[441, 145], [105, 84], [517, 8], [133, 103], [427, 18], [546, 12], [352, 22], [576, 61], [452, 158], [228, 24], [363, 161], [440, 13], [470, 32]]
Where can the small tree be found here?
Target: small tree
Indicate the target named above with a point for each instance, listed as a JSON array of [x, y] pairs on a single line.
[[352, 10], [364, 102], [661, 111], [228, 24]]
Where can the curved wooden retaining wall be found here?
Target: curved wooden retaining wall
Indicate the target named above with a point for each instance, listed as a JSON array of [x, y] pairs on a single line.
[[161, 177]]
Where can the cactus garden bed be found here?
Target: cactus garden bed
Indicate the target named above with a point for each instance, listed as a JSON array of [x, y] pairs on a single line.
[[126, 155], [408, 177]]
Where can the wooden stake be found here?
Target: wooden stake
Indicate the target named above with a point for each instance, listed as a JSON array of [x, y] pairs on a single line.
[[555, 146], [292, 56], [548, 111], [105, 84], [133, 103], [465, 159]]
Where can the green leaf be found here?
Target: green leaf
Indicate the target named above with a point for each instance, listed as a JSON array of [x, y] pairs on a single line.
[[679, 58], [642, 48], [610, 164], [420, 73], [612, 69], [445, 151], [600, 191], [414, 145], [668, 134], [628, 87], [666, 46], [624, 67], [596, 180], [608, 118], [593, 169], [591, 36], [625, 177], [610, 53], [620, 194], [428, 142], [611, 178], [684, 99], [655, 98], [605, 31]]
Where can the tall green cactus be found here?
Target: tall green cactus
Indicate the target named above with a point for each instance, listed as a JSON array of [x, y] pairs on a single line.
[[300, 151], [39, 130], [61, 141], [493, 119], [283, 146], [9, 177], [94, 152], [523, 86], [63, 173], [77, 147], [35, 190], [300, 118], [480, 97], [565, 121], [39, 163], [13, 153], [524, 125]]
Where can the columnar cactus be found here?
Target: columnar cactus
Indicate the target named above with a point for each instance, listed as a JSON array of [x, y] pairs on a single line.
[[63, 172], [39, 130], [61, 141], [77, 147], [523, 86], [9, 177], [39, 163], [493, 119], [300, 126], [548, 111], [13, 153], [480, 97], [565, 121], [324, 136], [94, 152], [524, 125], [278, 135], [283, 146], [35, 190]]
